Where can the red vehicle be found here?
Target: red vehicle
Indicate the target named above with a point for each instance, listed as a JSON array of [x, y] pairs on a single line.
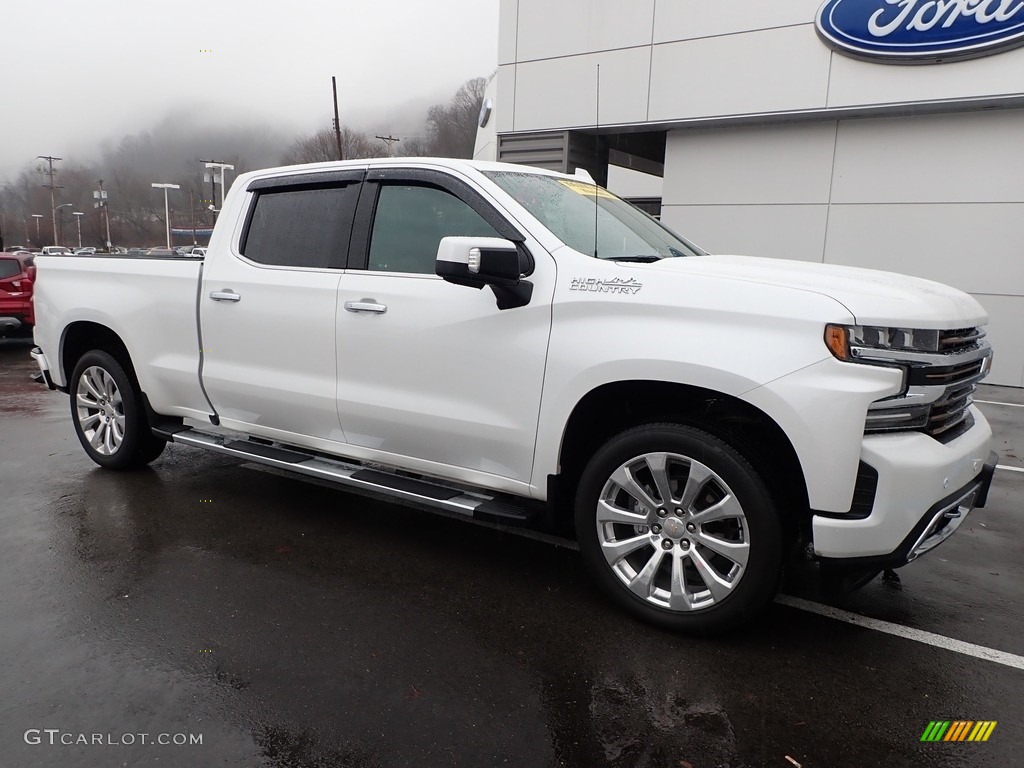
[[17, 273]]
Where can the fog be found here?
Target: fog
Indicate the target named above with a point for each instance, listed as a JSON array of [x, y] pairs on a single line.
[[78, 77]]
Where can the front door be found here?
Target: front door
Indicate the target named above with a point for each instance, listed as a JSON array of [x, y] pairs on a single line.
[[430, 373]]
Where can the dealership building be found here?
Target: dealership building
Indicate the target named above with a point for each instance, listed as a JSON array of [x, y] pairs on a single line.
[[876, 133]]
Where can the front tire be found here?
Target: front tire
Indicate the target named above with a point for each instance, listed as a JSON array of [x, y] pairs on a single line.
[[679, 529], [107, 411]]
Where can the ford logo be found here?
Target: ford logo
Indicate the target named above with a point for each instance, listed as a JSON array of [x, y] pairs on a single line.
[[921, 30]]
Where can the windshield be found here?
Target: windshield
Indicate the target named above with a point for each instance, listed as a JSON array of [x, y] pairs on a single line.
[[566, 207]]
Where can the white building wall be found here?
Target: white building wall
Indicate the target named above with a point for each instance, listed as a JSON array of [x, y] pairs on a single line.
[[780, 70], [708, 60]]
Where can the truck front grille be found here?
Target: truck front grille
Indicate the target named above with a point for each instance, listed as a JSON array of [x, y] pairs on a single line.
[[960, 339], [940, 387]]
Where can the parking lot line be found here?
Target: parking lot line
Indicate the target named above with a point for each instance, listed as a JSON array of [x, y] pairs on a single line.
[[909, 633], [996, 402], [1009, 469]]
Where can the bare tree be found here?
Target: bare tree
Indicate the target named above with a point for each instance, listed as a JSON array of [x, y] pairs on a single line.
[[451, 129], [321, 147], [415, 146]]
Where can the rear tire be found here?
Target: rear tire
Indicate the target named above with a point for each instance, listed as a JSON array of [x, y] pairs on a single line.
[[109, 418], [679, 529]]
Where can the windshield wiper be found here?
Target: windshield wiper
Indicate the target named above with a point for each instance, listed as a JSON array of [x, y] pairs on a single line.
[[640, 259]]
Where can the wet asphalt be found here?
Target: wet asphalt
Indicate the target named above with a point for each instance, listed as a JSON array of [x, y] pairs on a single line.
[[292, 625]]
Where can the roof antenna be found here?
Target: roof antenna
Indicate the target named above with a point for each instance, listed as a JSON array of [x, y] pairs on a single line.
[[597, 151]]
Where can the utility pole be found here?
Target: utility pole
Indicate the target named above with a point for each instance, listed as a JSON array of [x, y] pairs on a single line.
[[337, 122], [216, 165], [389, 140], [101, 202], [51, 186]]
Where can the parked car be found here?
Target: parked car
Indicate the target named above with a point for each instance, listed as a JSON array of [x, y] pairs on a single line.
[[17, 274], [692, 418], [198, 252], [85, 251], [56, 250], [160, 251]]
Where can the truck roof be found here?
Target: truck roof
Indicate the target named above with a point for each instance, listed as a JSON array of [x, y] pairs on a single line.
[[399, 162]]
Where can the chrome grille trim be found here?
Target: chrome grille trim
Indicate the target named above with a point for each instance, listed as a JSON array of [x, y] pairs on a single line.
[[957, 374], [960, 338], [957, 356]]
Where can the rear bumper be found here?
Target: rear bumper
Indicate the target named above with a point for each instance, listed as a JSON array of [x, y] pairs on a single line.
[[925, 489], [43, 376]]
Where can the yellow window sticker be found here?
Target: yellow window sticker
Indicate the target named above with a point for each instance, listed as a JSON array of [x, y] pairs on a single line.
[[587, 190]]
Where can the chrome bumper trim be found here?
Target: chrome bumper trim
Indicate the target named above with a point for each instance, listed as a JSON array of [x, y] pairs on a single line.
[[945, 522]]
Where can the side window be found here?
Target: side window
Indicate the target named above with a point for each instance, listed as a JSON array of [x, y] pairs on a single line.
[[301, 227], [410, 221]]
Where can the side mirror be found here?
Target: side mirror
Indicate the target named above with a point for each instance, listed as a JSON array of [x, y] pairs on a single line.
[[491, 261], [478, 261]]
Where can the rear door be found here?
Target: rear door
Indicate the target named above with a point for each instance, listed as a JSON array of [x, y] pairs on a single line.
[[269, 307], [431, 373]]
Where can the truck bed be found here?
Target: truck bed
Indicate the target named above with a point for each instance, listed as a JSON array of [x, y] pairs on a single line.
[[140, 299]]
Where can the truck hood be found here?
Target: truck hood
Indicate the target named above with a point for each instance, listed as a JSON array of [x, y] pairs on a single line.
[[872, 296]]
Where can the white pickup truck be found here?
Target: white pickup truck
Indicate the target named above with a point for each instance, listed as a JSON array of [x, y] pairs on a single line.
[[693, 418]]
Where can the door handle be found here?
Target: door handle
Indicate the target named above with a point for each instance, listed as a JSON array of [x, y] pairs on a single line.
[[366, 305], [225, 296]]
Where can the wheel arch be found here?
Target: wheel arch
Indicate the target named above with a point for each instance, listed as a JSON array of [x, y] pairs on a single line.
[[611, 408], [84, 335]]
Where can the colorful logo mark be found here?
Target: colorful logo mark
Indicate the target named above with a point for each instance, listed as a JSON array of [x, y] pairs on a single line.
[[958, 730]]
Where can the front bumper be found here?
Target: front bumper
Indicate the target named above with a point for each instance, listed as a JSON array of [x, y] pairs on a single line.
[[925, 489]]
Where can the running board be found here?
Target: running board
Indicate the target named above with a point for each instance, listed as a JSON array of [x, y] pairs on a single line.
[[480, 505]]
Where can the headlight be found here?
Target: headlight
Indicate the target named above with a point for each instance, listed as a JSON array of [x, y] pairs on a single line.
[[850, 342]]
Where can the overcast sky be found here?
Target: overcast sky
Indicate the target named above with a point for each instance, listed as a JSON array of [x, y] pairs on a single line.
[[76, 72]]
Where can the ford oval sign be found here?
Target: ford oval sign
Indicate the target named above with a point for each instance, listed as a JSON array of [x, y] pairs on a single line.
[[921, 30]]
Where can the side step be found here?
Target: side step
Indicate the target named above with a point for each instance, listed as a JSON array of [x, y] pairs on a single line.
[[481, 505]]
